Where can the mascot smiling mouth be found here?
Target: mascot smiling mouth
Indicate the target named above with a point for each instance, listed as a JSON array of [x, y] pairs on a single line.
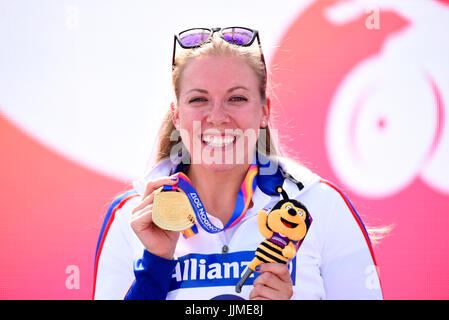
[[288, 224]]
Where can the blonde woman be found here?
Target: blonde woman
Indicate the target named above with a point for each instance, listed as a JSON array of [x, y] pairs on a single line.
[[217, 136]]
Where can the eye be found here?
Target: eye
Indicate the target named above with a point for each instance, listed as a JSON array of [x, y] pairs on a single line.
[[288, 207], [238, 99], [301, 213], [197, 100]]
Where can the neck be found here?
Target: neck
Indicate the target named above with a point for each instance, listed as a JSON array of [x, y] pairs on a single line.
[[218, 190]]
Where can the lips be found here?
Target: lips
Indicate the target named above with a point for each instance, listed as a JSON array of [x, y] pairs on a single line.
[[288, 224]]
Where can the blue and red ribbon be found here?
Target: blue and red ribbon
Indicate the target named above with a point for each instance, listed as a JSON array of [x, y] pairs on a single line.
[[243, 201]]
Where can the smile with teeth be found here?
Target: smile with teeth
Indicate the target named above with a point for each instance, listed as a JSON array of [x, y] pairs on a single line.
[[217, 141]]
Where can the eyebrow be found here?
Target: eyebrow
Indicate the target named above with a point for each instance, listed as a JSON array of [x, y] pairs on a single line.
[[229, 90]]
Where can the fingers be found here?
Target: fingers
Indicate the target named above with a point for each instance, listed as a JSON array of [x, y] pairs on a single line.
[[261, 292], [271, 288], [151, 187], [278, 269], [270, 280], [274, 283], [142, 219], [157, 183], [145, 202]]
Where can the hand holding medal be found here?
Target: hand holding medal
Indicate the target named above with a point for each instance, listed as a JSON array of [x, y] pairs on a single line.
[[158, 241], [170, 206]]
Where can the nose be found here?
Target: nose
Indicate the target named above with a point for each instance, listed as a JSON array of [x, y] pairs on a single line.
[[217, 114], [292, 212]]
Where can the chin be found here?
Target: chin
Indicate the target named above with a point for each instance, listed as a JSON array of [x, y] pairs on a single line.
[[219, 167], [221, 162]]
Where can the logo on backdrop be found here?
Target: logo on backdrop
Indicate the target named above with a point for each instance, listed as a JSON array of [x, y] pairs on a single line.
[[364, 98], [375, 78], [387, 121]]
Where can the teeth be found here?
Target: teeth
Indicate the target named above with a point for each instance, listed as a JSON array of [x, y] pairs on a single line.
[[218, 141]]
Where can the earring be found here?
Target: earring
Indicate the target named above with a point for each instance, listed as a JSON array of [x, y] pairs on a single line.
[[264, 122]]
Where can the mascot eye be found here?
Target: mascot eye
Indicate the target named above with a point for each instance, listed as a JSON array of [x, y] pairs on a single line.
[[288, 207], [301, 213]]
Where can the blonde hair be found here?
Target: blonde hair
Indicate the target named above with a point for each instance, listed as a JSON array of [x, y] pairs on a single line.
[[217, 47]]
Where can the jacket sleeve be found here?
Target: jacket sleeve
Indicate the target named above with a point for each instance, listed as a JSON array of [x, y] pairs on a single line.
[[113, 272], [118, 274], [348, 269], [153, 275]]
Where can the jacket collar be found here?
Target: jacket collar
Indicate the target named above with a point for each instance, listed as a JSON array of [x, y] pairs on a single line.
[[293, 177]]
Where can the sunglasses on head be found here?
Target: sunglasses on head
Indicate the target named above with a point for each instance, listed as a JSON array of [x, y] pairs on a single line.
[[196, 37]]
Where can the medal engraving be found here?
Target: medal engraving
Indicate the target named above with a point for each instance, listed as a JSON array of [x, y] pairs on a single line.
[[172, 211]]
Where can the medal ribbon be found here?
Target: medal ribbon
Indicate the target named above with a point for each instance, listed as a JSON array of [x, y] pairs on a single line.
[[243, 200]]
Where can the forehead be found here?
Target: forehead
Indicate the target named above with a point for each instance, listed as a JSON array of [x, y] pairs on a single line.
[[218, 72]]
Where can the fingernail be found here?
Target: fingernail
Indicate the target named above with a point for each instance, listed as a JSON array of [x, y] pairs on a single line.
[[174, 177], [258, 268]]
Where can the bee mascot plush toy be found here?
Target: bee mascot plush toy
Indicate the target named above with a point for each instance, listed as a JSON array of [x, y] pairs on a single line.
[[284, 228]]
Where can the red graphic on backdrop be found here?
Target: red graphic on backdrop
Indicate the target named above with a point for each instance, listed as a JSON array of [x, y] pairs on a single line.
[[51, 215], [311, 62]]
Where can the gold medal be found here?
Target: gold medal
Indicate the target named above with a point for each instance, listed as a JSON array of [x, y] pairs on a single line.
[[172, 210]]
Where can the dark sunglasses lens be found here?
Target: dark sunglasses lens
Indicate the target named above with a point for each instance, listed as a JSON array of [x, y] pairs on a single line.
[[238, 36], [195, 37]]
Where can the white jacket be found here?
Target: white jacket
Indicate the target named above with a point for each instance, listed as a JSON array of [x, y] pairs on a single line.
[[335, 261]]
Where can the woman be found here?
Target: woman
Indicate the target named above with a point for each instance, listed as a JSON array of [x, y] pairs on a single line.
[[216, 135]]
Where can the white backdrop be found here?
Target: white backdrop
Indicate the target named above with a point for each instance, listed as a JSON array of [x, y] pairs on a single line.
[[91, 79]]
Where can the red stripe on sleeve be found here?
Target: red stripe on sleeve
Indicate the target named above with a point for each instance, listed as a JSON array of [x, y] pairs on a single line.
[[356, 217]]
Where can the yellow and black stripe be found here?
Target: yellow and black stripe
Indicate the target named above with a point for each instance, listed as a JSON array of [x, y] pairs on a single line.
[[267, 251]]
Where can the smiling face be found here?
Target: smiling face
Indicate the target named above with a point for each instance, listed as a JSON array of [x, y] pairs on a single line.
[[288, 220], [219, 111]]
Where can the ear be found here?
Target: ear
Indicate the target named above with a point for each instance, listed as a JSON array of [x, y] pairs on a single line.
[[174, 115], [266, 113]]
